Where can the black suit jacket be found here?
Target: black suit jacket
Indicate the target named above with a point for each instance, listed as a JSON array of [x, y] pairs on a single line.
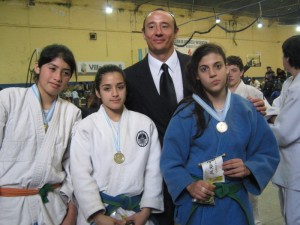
[[143, 96]]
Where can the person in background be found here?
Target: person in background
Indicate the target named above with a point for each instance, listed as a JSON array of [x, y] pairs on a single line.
[[284, 118], [75, 98], [268, 87], [255, 83], [144, 82], [35, 130], [237, 86], [115, 157], [68, 95], [211, 125], [93, 104], [80, 89], [269, 70], [281, 75]]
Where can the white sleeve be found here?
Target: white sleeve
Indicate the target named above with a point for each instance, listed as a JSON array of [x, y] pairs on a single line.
[[285, 128]]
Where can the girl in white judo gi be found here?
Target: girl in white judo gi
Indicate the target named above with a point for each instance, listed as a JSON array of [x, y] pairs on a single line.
[[35, 129], [284, 117], [115, 157]]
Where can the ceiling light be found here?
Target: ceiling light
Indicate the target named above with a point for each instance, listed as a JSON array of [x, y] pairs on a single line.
[[259, 23], [217, 19], [108, 9], [298, 28]]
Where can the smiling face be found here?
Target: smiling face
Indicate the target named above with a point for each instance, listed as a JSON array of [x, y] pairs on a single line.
[[212, 73], [112, 92], [160, 32], [53, 77]]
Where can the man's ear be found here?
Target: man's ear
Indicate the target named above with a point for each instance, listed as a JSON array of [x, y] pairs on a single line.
[[143, 32], [176, 31]]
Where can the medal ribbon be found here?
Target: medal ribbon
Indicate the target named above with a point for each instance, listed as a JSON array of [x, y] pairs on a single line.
[[46, 116], [211, 111], [116, 134]]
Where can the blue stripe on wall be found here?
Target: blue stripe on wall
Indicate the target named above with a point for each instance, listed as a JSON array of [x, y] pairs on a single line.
[[140, 54]]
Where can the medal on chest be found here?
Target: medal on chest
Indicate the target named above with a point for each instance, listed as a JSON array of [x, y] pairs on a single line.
[[222, 127], [46, 127], [47, 114], [119, 157]]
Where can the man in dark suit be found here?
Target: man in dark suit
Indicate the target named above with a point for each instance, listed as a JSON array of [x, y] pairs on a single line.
[[143, 82]]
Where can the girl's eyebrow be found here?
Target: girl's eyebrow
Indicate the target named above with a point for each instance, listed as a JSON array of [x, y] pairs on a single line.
[[105, 84], [213, 63], [111, 84], [52, 64]]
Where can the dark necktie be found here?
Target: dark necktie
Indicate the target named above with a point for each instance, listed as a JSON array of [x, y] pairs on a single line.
[[167, 89]]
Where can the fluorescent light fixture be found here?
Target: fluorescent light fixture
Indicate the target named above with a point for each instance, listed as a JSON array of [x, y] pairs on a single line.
[[108, 9], [259, 23]]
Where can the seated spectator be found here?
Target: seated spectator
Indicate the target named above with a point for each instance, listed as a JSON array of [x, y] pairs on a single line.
[[268, 87], [281, 75], [269, 70], [255, 83], [68, 95], [75, 98]]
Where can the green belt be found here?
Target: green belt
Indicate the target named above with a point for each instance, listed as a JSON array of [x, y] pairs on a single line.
[[226, 190], [123, 201]]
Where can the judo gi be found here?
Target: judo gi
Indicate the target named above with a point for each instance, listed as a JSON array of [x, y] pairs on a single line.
[[248, 137], [31, 158], [94, 170], [287, 132], [245, 90]]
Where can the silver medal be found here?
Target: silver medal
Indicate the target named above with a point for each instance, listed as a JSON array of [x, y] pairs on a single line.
[[222, 127]]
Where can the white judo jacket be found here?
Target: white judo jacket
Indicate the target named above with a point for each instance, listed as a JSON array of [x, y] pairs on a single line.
[[246, 90], [286, 129], [30, 158], [94, 170]]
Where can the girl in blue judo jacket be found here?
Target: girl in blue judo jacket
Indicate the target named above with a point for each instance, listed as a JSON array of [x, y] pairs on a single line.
[[217, 148]]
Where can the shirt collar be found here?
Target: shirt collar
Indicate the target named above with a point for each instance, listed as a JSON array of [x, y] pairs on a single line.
[[155, 64]]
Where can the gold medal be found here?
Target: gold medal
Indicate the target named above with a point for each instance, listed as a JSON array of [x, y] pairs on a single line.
[[222, 127], [46, 127], [119, 157]]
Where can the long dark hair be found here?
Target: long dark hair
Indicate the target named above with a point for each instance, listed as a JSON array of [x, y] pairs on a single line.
[[50, 52], [195, 85]]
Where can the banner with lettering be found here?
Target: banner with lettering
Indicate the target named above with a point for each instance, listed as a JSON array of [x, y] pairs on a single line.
[[91, 68], [190, 47]]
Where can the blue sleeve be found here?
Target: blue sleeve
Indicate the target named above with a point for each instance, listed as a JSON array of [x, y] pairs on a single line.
[[176, 147], [262, 156]]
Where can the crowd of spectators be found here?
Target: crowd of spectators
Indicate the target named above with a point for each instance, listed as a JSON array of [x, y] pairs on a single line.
[[82, 96], [271, 83]]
